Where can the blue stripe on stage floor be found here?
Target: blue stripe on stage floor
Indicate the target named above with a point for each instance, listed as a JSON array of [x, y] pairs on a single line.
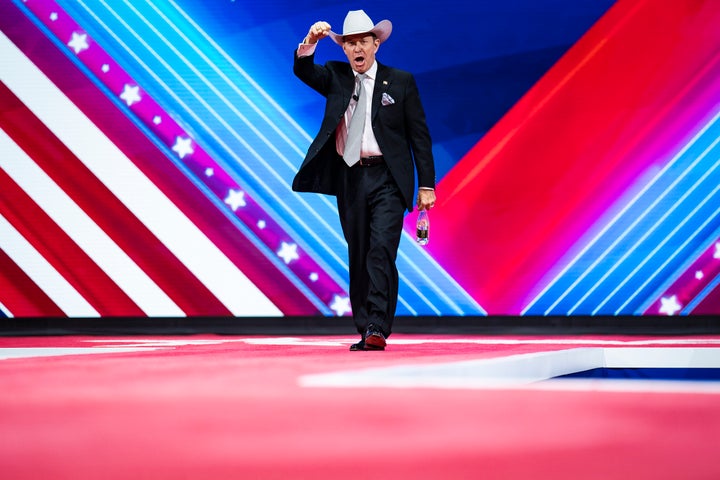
[[675, 374]]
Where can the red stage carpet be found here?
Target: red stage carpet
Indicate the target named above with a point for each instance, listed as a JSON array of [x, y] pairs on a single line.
[[213, 407]]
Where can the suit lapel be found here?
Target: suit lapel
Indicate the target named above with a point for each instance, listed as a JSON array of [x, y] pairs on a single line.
[[382, 83], [348, 84]]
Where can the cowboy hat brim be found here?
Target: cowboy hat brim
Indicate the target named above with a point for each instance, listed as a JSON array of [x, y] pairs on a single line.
[[381, 30]]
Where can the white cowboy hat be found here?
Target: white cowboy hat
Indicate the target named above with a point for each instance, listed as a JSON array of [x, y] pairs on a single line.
[[357, 21]]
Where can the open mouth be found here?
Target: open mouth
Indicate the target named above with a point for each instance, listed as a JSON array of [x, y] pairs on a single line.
[[359, 60]]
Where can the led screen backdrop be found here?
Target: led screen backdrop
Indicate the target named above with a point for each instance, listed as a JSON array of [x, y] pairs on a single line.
[[147, 150]]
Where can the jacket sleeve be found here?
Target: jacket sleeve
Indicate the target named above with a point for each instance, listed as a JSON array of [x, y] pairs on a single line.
[[317, 77], [419, 136]]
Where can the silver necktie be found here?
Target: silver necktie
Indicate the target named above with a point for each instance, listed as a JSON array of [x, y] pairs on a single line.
[[357, 124]]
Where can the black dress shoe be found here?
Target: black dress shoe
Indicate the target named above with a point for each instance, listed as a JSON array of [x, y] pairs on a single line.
[[357, 346], [374, 338]]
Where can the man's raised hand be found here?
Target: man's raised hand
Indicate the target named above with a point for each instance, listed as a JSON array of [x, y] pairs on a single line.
[[318, 30]]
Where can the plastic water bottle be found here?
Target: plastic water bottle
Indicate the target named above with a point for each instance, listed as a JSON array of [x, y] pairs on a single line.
[[423, 228]]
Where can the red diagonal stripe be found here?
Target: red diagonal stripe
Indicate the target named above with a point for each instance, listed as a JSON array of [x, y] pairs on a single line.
[[21, 295]]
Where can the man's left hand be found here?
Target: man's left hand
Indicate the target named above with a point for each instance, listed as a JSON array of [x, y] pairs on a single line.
[[425, 199]]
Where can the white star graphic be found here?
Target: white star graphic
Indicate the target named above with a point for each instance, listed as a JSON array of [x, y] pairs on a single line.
[[340, 305], [130, 94], [670, 306], [157, 119], [314, 277], [183, 147], [105, 68], [236, 199], [717, 250], [53, 16], [78, 42], [288, 252], [209, 172], [261, 224], [699, 275]]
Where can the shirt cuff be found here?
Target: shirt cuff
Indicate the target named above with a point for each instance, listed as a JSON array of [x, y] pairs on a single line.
[[306, 49], [426, 188]]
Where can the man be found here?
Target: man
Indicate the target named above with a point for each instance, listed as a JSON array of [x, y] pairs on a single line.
[[372, 134]]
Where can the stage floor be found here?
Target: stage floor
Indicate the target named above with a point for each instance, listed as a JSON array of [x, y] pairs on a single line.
[[430, 406]]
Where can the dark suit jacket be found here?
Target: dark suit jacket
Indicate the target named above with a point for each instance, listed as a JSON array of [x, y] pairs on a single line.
[[400, 128]]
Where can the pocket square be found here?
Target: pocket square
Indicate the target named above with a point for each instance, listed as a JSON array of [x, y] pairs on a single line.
[[387, 99]]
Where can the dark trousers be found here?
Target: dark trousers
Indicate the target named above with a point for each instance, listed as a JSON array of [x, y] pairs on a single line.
[[371, 212]]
